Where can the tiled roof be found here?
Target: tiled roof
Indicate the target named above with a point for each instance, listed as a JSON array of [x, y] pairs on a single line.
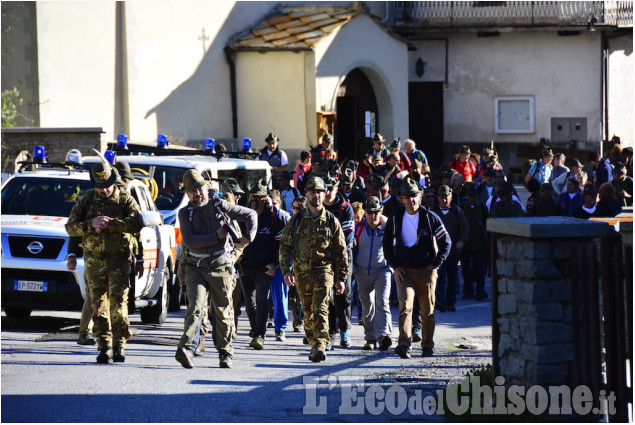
[[296, 27]]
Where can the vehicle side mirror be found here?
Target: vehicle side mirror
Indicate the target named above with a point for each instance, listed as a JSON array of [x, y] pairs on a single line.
[[151, 218]]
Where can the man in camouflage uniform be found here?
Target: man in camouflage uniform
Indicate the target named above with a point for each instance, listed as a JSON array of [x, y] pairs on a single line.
[[106, 218], [315, 241]]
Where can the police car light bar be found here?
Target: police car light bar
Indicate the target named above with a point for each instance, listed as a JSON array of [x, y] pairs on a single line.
[[110, 157], [122, 141], [246, 147], [162, 141], [39, 154], [74, 156], [210, 145]]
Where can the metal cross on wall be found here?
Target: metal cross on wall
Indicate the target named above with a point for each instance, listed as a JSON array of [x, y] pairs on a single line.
[[203, 38]]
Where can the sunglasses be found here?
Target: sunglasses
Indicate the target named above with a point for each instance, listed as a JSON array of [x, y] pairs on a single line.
[[294, 208]]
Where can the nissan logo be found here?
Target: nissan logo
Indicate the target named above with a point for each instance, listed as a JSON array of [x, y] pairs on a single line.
[[35, 247]]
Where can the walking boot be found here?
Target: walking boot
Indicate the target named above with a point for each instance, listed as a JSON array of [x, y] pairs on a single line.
[[104, 356], [118, 355], [184, 356], [384, 342], [345, 340], [225, 361], [86, 339]]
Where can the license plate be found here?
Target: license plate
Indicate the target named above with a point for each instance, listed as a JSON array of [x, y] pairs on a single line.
[[30, 286]]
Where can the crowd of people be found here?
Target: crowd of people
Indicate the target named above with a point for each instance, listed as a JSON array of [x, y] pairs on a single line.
[[386, 229]]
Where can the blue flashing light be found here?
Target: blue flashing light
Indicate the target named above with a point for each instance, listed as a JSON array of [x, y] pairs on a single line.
[[210, 145], [122, 141], [39, 154], [246, 144], [110, 157], [162, 141]]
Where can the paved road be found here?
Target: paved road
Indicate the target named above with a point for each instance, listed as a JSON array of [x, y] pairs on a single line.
[[47, 377]]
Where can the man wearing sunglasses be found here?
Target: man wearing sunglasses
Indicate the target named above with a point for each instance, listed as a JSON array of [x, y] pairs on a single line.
[[409, 246]]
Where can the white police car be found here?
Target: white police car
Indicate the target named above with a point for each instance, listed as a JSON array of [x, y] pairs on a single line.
[[165, 174], [35, 207]]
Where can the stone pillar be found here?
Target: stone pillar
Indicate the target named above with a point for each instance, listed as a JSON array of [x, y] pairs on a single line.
[[532, 296]]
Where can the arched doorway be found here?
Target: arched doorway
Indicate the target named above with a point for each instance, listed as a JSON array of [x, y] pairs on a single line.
[[357, 118]]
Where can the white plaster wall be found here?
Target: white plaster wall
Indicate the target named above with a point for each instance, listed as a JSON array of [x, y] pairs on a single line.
[[562, 73], [177, 86], [621, 87], [275, 91], [362, 43], [76, 61]]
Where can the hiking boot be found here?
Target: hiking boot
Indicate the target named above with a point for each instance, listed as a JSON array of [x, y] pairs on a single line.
[[280, 336], [86, 339], [270, 325], [416, 335], [118, 355], [402, 351], [345, 340], [427, 352], [184, 356], [317, 355], [441, 307], [329, 346], [225, 361], [384, 342], [104, 356], [370, 345], [480, 295], [257, 343], [201, 347]]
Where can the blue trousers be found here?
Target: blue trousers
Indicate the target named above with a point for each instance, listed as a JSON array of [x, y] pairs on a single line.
[[280, 297]]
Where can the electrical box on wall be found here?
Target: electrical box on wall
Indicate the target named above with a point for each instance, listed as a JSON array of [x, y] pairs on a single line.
[[566, 129]]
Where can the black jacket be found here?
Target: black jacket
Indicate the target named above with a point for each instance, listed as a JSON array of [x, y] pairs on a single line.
[[422, 253]]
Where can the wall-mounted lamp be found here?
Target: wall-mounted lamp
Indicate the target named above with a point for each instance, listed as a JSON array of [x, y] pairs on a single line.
[[420, 67]]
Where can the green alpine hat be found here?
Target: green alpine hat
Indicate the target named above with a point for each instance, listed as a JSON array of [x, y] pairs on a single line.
[[347, 176], [272, 137], [330, 180], [444, 191], [192, 180], [409, 186], [315, 183], [231, 185], [394, 145], [259, 188], [378, 138], [376, 181], [372, 204]]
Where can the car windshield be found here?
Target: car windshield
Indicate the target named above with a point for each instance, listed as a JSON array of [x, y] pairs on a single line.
[[168, 181], [42, 196]]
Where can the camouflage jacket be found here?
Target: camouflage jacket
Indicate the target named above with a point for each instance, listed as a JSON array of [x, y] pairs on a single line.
[[314, 243], [125, 220]]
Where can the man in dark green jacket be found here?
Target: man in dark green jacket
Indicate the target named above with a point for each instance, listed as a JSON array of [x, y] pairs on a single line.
[[474, 256]]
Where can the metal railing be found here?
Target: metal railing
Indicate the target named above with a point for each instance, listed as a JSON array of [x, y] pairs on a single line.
[[440, 14]]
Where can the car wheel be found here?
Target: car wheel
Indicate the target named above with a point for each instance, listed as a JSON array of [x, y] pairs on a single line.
[[17, 312], [159, 312]]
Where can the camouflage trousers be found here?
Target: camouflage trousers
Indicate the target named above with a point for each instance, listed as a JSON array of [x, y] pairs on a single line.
[[108, 281], [314, 288]]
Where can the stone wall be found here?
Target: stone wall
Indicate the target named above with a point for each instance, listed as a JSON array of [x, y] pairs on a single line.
[[56, 141], [533, 307]]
